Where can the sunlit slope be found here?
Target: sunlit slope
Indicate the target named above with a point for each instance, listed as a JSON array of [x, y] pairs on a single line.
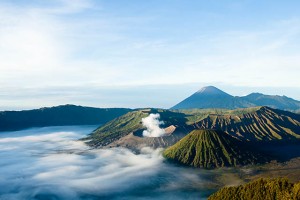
[[195, 115], [116, 128], [132, 123], [210, 149], [268, 189], [264, 124], [248, 124]]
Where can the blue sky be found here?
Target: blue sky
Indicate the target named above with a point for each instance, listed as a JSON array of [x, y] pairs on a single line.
[[138, 53]]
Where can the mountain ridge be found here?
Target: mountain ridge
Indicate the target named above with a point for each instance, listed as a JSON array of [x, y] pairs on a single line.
[[242, 124], [264, 124], [58, 116], [212, 97], [211, 149]]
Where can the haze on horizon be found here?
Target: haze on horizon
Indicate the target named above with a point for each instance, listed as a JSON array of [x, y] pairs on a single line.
[[145, 53]]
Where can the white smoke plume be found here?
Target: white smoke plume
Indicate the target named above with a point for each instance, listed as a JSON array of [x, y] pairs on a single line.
[[152, 124]]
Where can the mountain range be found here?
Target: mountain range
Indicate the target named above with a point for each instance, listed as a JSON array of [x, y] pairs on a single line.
[[263, 124], [212, 97], [208, 129], [58, 116], [248, 124], [208, 97]]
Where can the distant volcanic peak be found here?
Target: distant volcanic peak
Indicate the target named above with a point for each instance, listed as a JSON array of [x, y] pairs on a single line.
[[211, 90], [212, 97], [208, 97]]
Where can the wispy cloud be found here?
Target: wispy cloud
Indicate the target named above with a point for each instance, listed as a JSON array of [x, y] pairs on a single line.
[[66, 43]]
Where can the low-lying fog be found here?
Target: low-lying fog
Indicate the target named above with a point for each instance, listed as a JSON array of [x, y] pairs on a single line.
[[49, 163]]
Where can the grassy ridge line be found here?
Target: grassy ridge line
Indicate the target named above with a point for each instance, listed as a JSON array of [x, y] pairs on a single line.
[[265, 124], [250, 124], [261, 189], [211, 149], [131, 122], [195, 115], [116, 128]]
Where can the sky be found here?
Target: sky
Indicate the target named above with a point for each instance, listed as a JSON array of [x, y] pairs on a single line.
[[137, 53]]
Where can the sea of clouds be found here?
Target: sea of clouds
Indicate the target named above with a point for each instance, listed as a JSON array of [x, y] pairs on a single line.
[[50, 163]]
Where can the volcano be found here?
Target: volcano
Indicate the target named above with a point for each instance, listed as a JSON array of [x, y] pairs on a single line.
[[212, 97], [212, 149]]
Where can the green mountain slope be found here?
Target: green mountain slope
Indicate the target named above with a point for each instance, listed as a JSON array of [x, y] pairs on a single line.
[[58, 116], [247, 124], [210, 149], [264, 124], [116, 129], [264, 189], [132, 123]]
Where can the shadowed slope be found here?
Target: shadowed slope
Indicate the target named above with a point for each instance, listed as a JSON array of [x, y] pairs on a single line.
[[210, 149], [58, 116]]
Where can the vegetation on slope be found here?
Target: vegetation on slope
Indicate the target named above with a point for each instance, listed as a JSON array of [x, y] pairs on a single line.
[[248, 124], [210, 149], [116, 128], [261, 189], [196, 115], [131, 122], [58, 116], [265, 124]]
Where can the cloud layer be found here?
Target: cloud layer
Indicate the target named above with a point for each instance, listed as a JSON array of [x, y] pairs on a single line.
[[48, 163]]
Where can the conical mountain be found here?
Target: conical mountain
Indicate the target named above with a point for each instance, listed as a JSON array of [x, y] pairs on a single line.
[[211, 149], [212, 90], [212, 97]]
